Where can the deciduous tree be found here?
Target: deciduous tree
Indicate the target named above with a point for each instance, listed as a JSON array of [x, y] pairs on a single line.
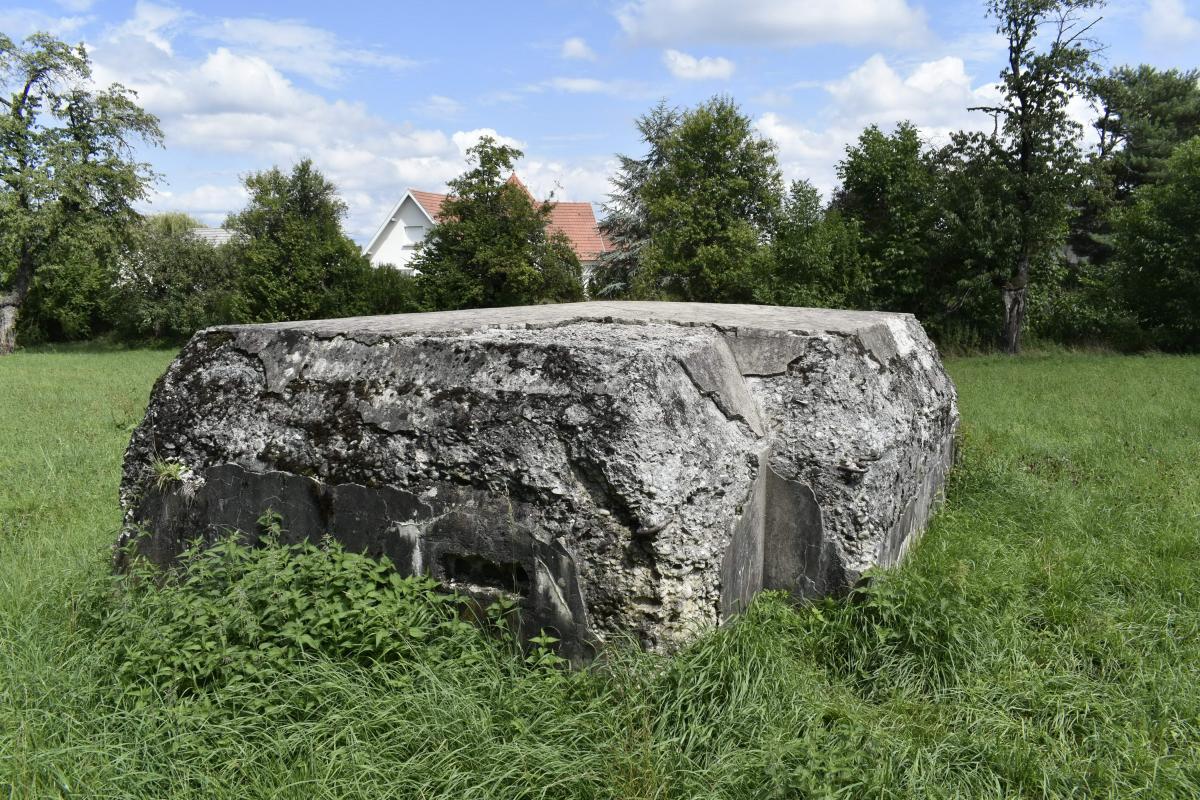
[[710, 207], [491, 246], [66, 162], [888, 182], [817, 257], [293, 259], [1035, 140], [1158, 249], [170, 284]]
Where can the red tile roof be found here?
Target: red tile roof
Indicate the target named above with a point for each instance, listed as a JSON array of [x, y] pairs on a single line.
[[430, 201], [576, 220]]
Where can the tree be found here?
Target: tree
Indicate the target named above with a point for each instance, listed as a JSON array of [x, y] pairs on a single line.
[[626, 225], [1158, 249], [170, 284], [293, 260], [816, 256], [1145, 114], [710, 207], [1034, 139], [66, 162], [887, 185], [491, 247]]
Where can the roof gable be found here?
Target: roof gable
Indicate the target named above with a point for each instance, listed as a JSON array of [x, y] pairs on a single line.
[[577, 221]]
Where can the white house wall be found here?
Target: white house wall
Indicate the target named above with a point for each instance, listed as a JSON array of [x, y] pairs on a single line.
[[397, 242]]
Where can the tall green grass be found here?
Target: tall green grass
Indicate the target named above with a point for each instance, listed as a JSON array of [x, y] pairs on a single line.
[[1043, 641]]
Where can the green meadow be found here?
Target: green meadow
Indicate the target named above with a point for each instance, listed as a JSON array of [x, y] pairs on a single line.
[[1043, 640]]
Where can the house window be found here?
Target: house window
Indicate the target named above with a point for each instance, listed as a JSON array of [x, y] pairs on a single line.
[[414, 233]]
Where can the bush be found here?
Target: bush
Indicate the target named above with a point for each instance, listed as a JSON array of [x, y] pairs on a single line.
[[171, 284], [71, 296], [293, 260], [236, 620]]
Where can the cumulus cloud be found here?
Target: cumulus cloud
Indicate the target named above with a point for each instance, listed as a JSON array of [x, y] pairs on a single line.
[[464, 140], [689, 67], [18, 23], [298, 48], [230, 103], [1168, 22], [933, 95], [772, 22], [239, 103], [577, 48]]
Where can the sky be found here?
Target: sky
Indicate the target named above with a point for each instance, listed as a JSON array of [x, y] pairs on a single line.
[[386, 97]]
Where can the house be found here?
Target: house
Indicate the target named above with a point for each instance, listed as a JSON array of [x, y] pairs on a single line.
[[411, 218]]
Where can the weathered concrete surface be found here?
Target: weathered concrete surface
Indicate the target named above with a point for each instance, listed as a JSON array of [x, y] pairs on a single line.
[[618, 468]]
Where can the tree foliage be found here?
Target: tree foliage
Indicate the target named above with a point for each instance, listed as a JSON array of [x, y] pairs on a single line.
[[1158, 247], [709, 205], [1145, 114], [170, 284], [491, 246], [816, 256], [294, 262], [888, 185], [626, 224], [68, 176]]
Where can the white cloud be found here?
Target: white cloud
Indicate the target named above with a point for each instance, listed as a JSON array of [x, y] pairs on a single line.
[[933, 95], [586, 181], [152, 24], [773, 22], [18, 23], [298, 48], [440, 106], [228, 104], [689, 67], [806, 153], [577, 48], [209, 203], [1167, 22], [464, 140], [585, 85]]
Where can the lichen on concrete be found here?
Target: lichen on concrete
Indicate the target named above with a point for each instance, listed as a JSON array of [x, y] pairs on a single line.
[[619, 469]]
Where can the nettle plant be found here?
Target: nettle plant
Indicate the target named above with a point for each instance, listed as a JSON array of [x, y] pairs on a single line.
[[232, 619]]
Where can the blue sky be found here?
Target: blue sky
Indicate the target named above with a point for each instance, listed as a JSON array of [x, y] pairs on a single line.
[[386, 97]]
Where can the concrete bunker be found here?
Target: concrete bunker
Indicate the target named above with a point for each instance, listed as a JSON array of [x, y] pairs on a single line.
[[617, 469]]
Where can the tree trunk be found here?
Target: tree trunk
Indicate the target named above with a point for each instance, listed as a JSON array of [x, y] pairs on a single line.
[[1014, 293], [10, 303]]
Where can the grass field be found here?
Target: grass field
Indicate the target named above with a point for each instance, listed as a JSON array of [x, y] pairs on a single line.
[[1044, 640]]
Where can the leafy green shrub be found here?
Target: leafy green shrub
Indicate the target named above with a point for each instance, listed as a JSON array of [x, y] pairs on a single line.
[[170, 284], [71, 295], [235, 618]]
